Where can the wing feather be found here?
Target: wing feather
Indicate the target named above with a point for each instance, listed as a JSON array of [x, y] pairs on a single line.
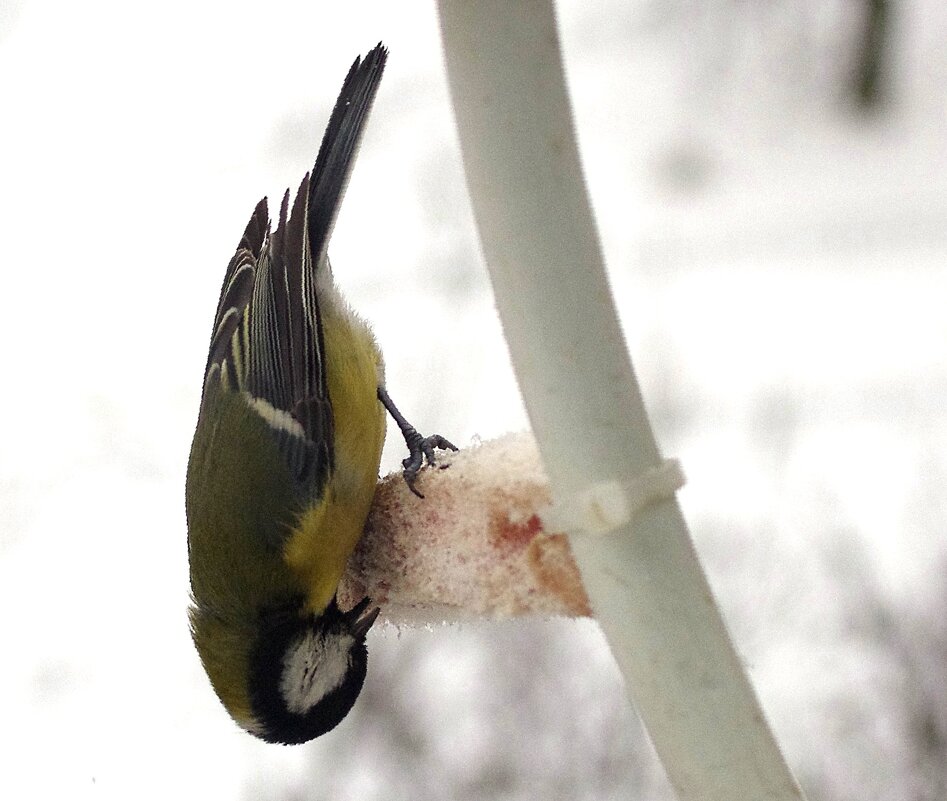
[[268, 339]]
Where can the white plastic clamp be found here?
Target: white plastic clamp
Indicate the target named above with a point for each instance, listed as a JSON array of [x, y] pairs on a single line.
[[603, 507]]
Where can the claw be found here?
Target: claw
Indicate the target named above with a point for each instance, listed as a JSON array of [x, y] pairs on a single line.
[[419, 448]]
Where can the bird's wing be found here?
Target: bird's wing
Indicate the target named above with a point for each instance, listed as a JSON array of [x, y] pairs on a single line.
[[268, 339]]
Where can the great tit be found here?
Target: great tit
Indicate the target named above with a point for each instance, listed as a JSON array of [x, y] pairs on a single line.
[[285, 458]]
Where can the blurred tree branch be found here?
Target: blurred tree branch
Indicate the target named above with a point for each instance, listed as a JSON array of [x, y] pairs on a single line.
[[872, 57]]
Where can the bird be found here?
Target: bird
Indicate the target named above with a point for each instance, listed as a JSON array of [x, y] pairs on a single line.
[[285, 458]]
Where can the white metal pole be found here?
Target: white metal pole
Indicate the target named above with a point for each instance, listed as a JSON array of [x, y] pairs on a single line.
[[540, 244]]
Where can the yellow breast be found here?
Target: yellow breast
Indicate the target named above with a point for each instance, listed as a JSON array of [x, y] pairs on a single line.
[[328, 531]]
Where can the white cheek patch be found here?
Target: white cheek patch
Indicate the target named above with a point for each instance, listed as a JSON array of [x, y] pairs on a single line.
[[313, 666]]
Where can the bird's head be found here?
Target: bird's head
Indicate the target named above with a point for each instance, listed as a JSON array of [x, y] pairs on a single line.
[[302, 672]]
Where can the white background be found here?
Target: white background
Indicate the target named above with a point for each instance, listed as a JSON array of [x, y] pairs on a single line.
[[778, 259]]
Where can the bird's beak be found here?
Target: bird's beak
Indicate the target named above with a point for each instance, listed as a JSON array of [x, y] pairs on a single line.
[[357, 623]]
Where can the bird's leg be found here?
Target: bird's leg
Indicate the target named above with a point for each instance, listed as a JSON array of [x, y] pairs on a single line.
[[419, 448]]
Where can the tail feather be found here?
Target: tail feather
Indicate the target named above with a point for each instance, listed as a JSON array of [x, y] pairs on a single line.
[[330, 174]]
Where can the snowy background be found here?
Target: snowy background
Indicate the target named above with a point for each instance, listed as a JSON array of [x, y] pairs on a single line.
[[777, 244]]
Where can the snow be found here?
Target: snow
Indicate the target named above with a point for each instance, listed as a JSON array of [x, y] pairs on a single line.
[[778, 261]]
